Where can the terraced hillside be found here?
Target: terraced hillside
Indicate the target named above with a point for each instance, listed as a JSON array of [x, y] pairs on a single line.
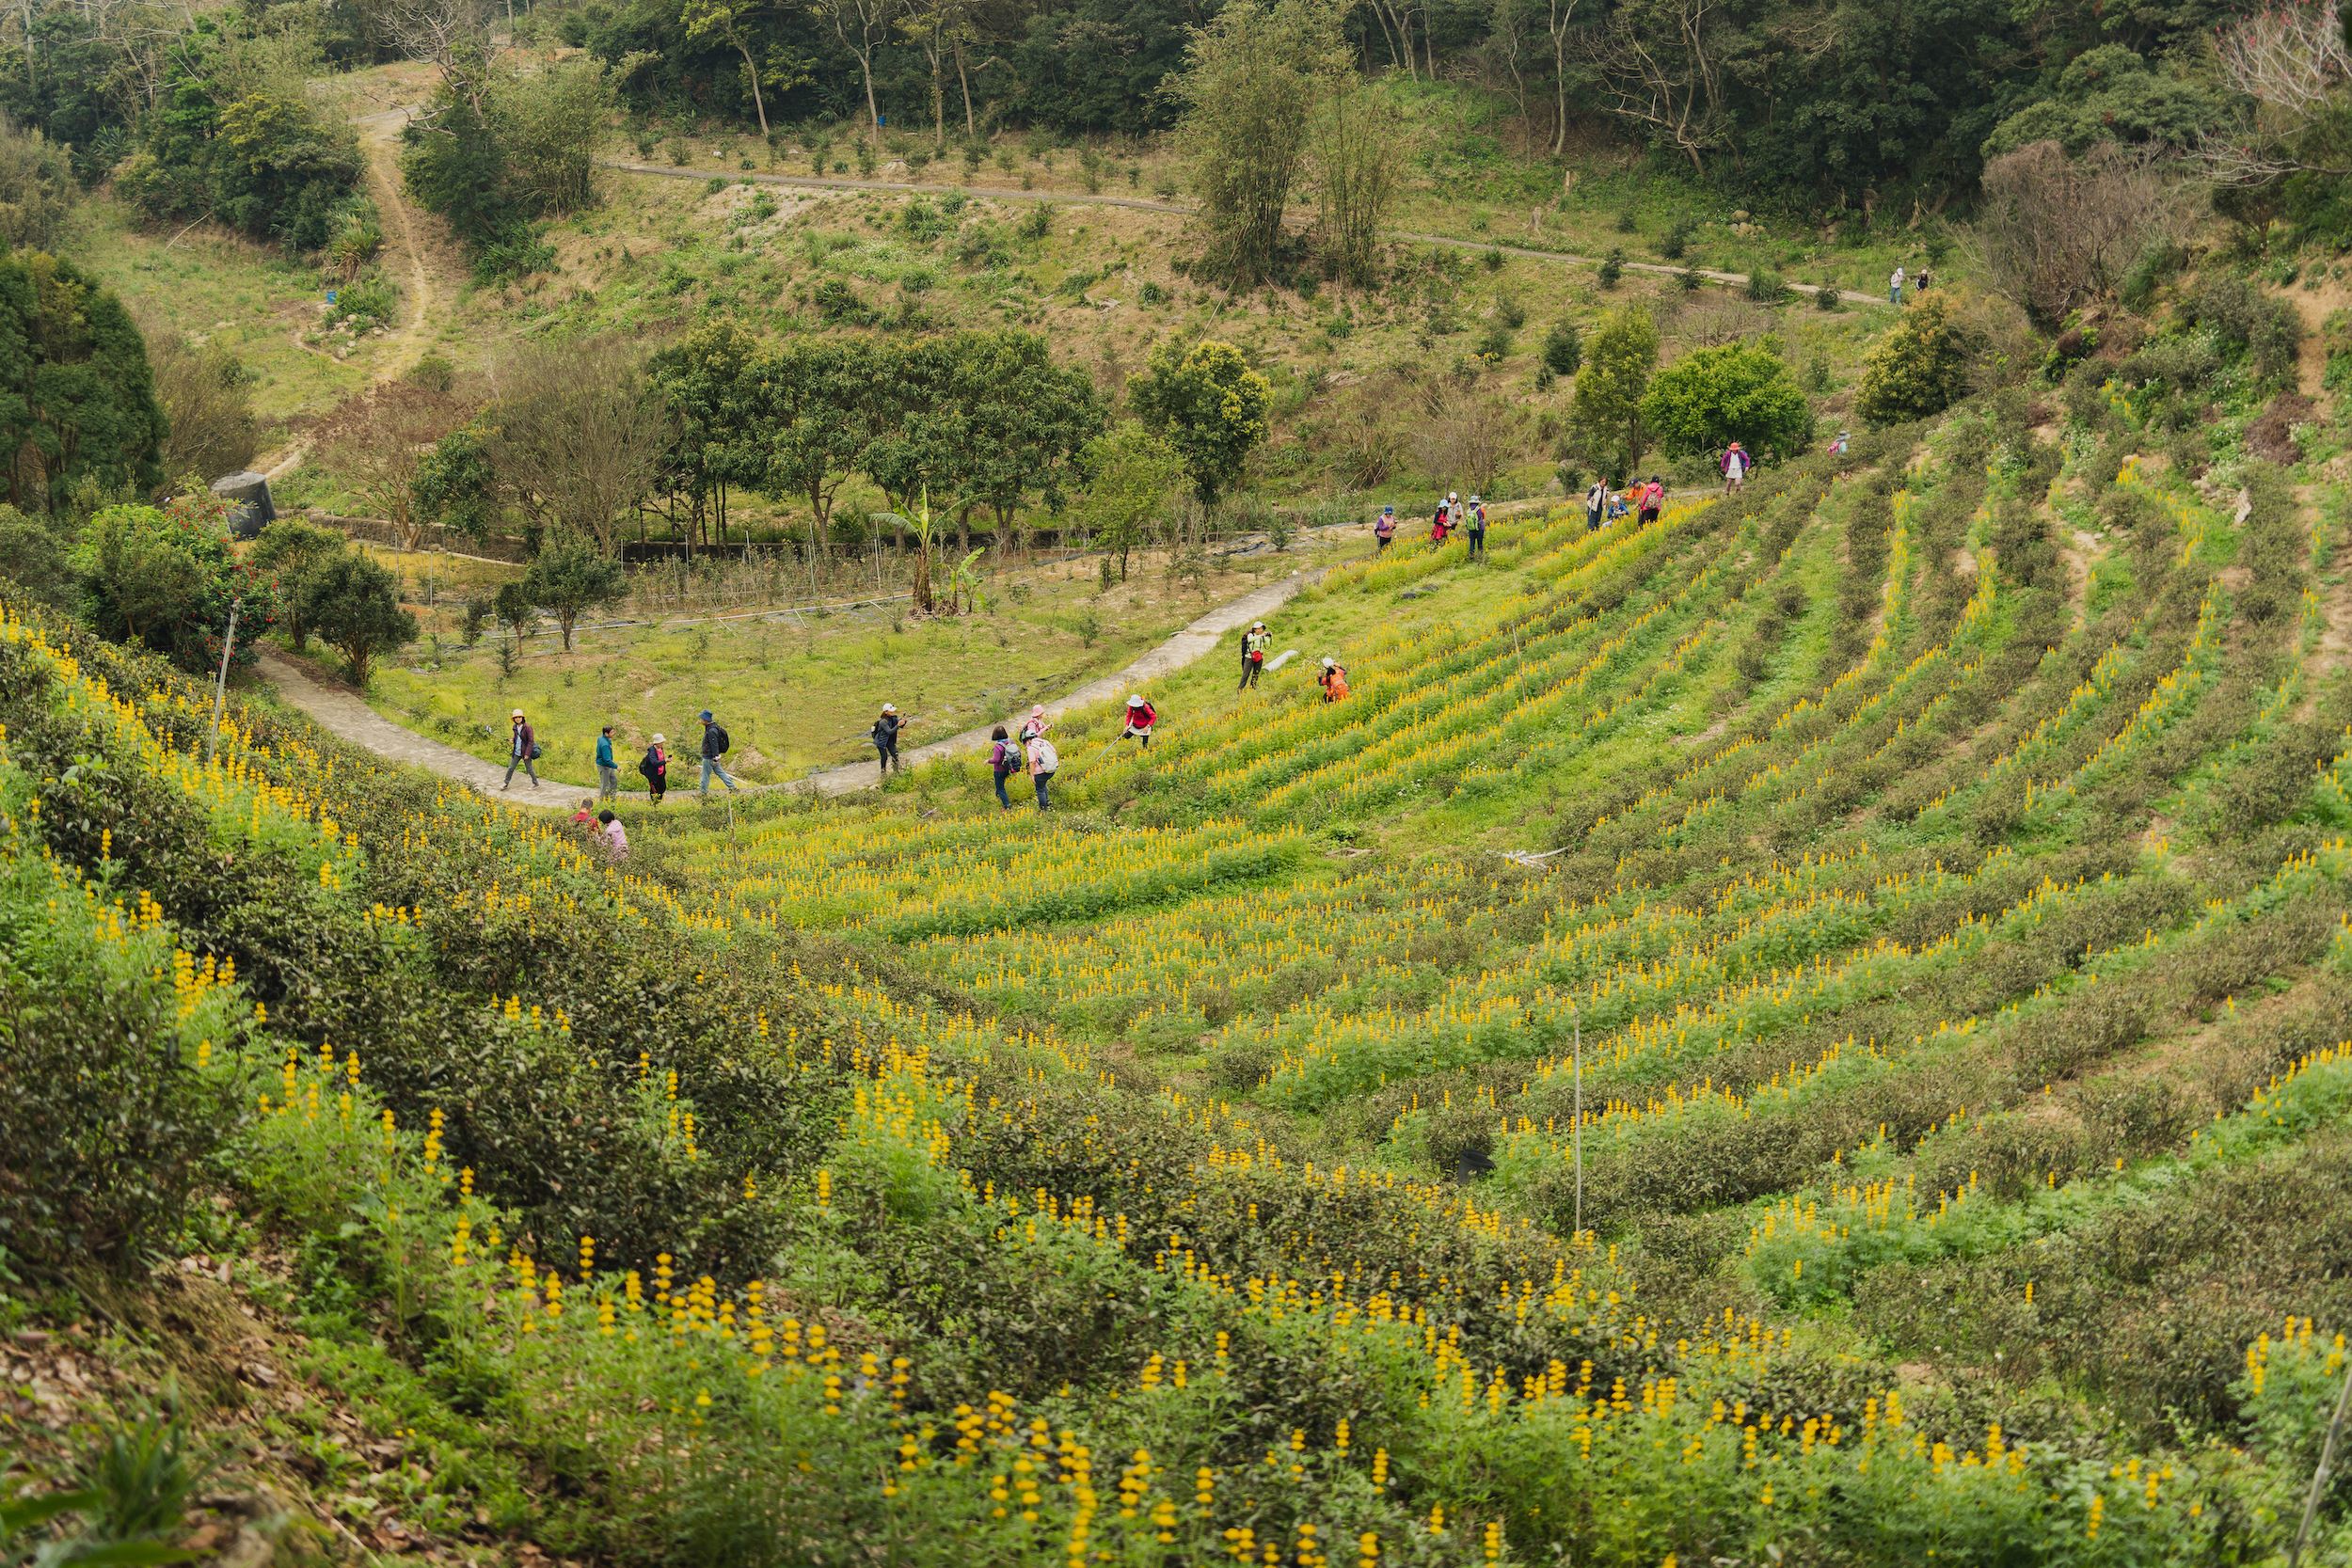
[[1931, 928]]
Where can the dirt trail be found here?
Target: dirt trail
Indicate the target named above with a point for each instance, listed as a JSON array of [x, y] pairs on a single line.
[[404, 253], [342, 713], [1146, 204]]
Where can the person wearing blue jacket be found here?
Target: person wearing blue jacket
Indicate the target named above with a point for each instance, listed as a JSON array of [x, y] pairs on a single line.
[[608, 767]]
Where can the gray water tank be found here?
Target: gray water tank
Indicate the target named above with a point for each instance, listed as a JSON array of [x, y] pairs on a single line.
[[248, 493]]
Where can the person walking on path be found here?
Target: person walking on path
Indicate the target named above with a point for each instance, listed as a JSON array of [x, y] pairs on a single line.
[[1034, 725], [886, 735], [1254, 644], [1920, 283], [1333, 680], [615, 837], [1477, 515], [1044, 760], [1441, 524], [1736, 465], [1894, 285], [608, 767], [523, 749], [655, 766], [715, 744], [1382, 530], [1004, 760], [1596, 505], [1141, 716], [1653, 500]]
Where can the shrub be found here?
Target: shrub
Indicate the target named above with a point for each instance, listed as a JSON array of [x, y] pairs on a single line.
[[353, 604], [167, 579], [1612, 269], [1735, 391], [1919, 369], [1563, 353], [1827, 297], [1766, 286]]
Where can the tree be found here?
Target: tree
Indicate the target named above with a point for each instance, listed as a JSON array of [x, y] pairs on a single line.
[[1605, 422], [1471, 432], [77, 398], [2057, 231], [1741, 392], [1361, 147], [353, 604], [37, 191], [1563, 353], [1132, 472], [576, 436], [1656, 67], [569, 577], [207, 405], [35, 555], [1205, 401], [710, 384], [725, 20], [819, 420], [455, 488], [288, 552], [167, 579], [379, 442], [1919, 369], [1026, 420], [1254, 80], [859, 27], [2292, 64]]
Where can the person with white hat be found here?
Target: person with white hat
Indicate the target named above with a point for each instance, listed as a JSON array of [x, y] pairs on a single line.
[[1254, 644], [1333, 680], [886, 738], [522, 749], [1141, 716]]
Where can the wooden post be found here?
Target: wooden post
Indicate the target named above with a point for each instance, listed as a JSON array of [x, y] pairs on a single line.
[[1576, 1014], [2319, 1476], [220, 699]]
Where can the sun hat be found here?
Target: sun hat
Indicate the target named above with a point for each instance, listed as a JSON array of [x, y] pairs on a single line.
[[1328, 661], [1037, 712], [1135, 701], [517, 714], [704, 715], [890, 708], [659, 739]]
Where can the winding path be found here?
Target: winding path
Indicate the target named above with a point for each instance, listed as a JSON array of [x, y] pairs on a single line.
[[342, 713], [1146, 204]]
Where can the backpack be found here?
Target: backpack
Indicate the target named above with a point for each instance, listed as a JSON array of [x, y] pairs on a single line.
[[719, 734], [1043, 754], [649, 767], [535, 753]]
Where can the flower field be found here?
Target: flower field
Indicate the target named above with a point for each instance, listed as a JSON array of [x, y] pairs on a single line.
[[1894, 1104]]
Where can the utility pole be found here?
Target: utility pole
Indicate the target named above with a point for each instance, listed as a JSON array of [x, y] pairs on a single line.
[[221, 683]]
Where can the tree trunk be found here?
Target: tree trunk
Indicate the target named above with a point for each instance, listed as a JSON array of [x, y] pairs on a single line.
[[759, 105], [873, 109], [964, 80]]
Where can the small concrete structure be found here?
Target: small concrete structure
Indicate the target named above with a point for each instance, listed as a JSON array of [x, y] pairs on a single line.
[[248, 493]]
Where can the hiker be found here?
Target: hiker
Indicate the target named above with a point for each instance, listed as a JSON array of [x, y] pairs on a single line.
[[615, 837], [1034, 725], [655, 766], [1653, 499], [1596, 505], [1895, 286], [1384, 529], [1141, 716], [715, 744], [1004, 760], [1441, 525], [587, 813], [1920, 283], [1044, 760], [1477, 516], [522, 749], [1254, 644], [1736, 463], [1837, 448], [1333, 680], [608, 767], [885, 733], [1619, 504]]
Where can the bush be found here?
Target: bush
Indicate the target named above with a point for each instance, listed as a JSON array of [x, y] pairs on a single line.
[[1612, 269], [1919, 369], [166, 578], [364, 304], [1766, 286], [1733, 392], [353, 604], [1827, 297], [1563, 353]]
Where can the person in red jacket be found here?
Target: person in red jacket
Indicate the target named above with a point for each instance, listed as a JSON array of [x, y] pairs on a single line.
[[1141, 716]]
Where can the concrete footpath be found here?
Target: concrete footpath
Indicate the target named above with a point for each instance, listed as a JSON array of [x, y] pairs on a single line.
[[345, 715]]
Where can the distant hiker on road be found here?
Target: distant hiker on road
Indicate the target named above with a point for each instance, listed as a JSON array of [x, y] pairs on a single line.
[[1333, 680], [1254, 644], [523, 749], [1653, 500], [886, 739], [1895, 287], [1477, 518], [655, 766], [1736, 465], [1044, 760], [1838, 446], [1141, 716], [1919, 284], [715, 744], [608, 767], [615, 837], [1004, 760], [1384, 529], [1595, 504]]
